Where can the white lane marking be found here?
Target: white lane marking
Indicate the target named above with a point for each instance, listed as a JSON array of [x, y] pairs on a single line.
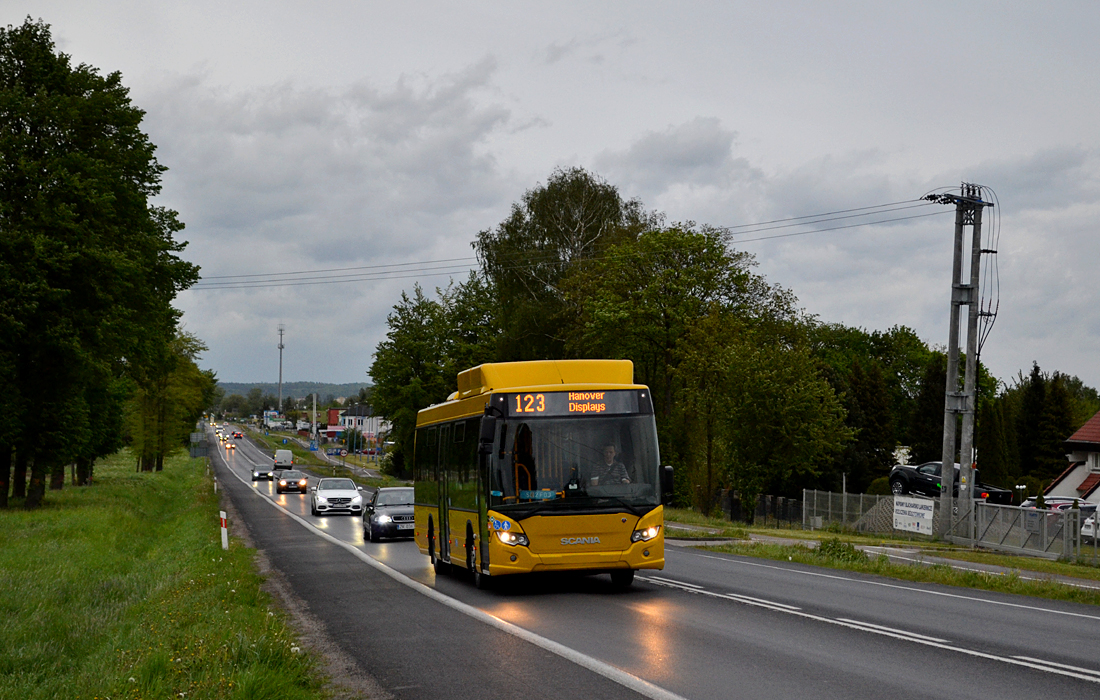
[[900, 587], [1058, 665], [769, 603], [692, 588], [638, 685], [893, 629], [668, 580]]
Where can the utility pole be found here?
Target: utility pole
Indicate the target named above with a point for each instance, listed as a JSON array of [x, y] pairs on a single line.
[[968, 212], [282, 329]]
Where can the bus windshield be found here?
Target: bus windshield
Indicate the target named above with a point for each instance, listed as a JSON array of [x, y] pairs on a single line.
[[584, 464]]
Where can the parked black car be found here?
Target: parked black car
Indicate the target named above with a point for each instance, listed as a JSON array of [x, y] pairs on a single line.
[[924, 479], [389, 514]]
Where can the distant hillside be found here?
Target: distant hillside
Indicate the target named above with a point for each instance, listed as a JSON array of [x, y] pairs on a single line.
[[296, 389]]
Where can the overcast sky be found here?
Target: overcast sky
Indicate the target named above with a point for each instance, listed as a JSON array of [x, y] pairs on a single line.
[[309, 136]]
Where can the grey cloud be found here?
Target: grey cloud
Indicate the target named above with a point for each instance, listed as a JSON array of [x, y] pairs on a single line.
[[698, 153], [557, 51], [363, 160], [285, 177]]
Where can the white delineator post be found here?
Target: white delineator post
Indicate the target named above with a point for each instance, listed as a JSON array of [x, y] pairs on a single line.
[[225, 532]]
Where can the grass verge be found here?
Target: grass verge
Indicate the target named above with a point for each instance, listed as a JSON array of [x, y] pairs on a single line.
[[838, 554], [715, 527], [122, 590]]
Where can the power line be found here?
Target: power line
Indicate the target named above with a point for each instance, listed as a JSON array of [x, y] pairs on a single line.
[[452, 266]]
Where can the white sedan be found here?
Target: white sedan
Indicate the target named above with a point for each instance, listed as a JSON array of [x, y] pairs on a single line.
[[335, 496]]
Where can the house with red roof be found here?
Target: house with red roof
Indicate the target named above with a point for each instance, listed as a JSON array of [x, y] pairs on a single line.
[[1082, 478]]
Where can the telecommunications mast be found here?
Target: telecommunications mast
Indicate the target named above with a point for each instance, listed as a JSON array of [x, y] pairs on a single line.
[[282, 329]]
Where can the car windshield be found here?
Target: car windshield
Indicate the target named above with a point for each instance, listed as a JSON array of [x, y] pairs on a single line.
[[576, 464], [336, 485], [293, 475], [398, 497]]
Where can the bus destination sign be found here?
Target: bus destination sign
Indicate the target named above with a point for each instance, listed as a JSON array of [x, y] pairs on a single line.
[[573, 403]]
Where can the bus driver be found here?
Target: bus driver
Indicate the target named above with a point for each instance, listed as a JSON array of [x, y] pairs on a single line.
[[611, 470]]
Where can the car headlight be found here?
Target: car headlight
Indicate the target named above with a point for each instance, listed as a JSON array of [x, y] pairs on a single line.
[[645, 534], [383, 519], [357, 499], [321, 500], [282, 482], [512, 538]]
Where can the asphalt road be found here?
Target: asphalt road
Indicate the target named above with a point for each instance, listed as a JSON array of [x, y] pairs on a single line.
[[708, 626]]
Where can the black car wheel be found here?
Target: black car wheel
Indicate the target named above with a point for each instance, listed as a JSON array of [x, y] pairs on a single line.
[[312, 510], [897, 487], [370, 532]]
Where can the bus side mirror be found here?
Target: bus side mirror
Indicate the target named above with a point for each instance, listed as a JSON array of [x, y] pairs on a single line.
[[666, 485], [488, 432]]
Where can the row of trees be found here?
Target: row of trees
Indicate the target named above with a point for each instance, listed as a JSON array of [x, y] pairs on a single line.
[[90, 346], [750, 393]]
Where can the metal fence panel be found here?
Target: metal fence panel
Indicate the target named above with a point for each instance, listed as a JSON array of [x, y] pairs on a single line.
[[1053, 534], [850, 511]]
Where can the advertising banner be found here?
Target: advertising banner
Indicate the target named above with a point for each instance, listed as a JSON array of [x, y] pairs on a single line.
[[913, 514]]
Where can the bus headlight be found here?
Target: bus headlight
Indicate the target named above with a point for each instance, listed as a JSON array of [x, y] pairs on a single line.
[[511, 538], [645, 534]]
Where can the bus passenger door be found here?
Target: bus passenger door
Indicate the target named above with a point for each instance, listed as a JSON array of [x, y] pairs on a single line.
[[444, 536]]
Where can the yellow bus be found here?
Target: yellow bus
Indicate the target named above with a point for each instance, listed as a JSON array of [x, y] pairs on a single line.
[[548, 465]]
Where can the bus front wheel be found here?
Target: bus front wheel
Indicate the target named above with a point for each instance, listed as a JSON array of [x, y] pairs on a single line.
[[622, 578], [481, 581]]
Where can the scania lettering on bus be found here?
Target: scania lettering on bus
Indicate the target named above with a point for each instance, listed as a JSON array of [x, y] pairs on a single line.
[[580, 540]]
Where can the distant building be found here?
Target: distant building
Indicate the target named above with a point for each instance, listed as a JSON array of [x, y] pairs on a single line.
[[1082, 478], [362, 418]]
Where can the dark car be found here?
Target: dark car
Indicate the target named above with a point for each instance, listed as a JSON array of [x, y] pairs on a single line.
[[924, 480], [389, 514], [291, 480]]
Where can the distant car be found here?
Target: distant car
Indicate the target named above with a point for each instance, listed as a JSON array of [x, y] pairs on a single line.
[[238, 434], [1088, 528], [284, 459], [389, 514], [1061, 504], [230, 445], [291, 480], [335, 496], [262, 473], [924, 480]]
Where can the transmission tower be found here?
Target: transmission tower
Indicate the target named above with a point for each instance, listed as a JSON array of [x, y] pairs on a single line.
[[968, 212], [282, 329]]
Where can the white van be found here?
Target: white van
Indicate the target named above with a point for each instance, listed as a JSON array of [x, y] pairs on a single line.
[[284, 459]]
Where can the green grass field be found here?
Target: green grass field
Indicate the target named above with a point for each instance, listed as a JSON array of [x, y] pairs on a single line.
[[122, 590]]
